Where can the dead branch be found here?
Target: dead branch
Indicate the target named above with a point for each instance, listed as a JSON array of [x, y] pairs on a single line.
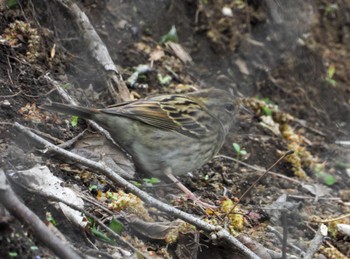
[[316, 242], [10, 201], [98, 51], [208, 228]]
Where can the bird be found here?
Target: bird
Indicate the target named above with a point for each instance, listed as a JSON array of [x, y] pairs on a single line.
[[169, 134]]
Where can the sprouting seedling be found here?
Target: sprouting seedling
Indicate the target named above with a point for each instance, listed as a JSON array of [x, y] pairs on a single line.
[[330, 74], [74, 121], [327, 178], [164, 80], [151, 181], [240, 152], [331, 8], [148, 181], [170, 36]]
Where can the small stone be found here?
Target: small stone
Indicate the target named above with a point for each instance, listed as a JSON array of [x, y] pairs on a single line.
[[227, 11], [5, 104]]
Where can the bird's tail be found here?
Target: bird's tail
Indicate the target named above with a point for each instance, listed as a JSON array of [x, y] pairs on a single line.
[[74, 110]]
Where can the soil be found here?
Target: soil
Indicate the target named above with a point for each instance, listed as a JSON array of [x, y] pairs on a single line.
[[288, 64]]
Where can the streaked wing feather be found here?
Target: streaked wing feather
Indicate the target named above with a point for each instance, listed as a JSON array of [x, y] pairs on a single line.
[[177, 113]]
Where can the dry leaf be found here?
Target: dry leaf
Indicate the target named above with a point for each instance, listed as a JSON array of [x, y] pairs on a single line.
[[179, 51]]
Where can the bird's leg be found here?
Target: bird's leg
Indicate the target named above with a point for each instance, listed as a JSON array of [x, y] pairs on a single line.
[[183, 188]]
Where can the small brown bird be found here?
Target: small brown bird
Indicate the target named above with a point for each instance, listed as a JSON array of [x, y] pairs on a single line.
[[165, 134]]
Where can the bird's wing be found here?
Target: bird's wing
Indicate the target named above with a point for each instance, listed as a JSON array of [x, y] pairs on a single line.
[[168, 112]]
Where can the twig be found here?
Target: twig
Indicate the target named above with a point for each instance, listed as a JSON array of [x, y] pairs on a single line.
[[279, 236], [316, 242], [97, 204], [332, 219], [285, 235], [313, 198], [72, 140], [70, 100], [10, 201], [48, 136], [98, 50], [208, 228], [96, 220], [261, 176], [258, 168]]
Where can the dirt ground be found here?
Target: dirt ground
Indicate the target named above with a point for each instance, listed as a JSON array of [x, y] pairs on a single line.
[[287, 61]]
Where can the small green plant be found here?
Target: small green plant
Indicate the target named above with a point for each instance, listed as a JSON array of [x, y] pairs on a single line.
[[116, 226], [267, 111], [13, 254], [240, 152], [331, 8], [92, 187], [240, 4], [170, 36], [11, 3], [51, 219], [137, 184], [164, 80], [74, 121], [147, 181], [151, 181], [100, 234], [65, 86], [327, 178], [330, 74]]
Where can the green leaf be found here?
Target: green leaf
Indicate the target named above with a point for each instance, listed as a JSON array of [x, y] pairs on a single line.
[[13, 254], [92, 187], [170, 36], [331, 71], [74, 121], [51, 219], [136, 183], [152, 180], [331, 8], [331, 81], [34, 248], [116, 226], [99, 234], [65, 86], [11, 3], [243, 152], [164, 80], [267, 111], [329, 179], [237, 147]]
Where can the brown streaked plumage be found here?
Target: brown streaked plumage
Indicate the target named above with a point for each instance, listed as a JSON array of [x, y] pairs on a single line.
[[179, 132]]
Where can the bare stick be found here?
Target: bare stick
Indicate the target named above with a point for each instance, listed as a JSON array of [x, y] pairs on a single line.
[[261, 176], [257, 168], [316, 242], [108, 172], [10, 201], [98, 50]]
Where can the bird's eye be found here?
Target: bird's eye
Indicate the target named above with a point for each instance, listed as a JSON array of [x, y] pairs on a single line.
[[229, 107]]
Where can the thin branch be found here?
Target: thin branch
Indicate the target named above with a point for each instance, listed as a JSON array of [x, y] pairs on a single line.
[[260, 169], [316, 242], [259, 178], [70, 100], [98, 51], [108, 172], [11, 202], [96, 220]]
